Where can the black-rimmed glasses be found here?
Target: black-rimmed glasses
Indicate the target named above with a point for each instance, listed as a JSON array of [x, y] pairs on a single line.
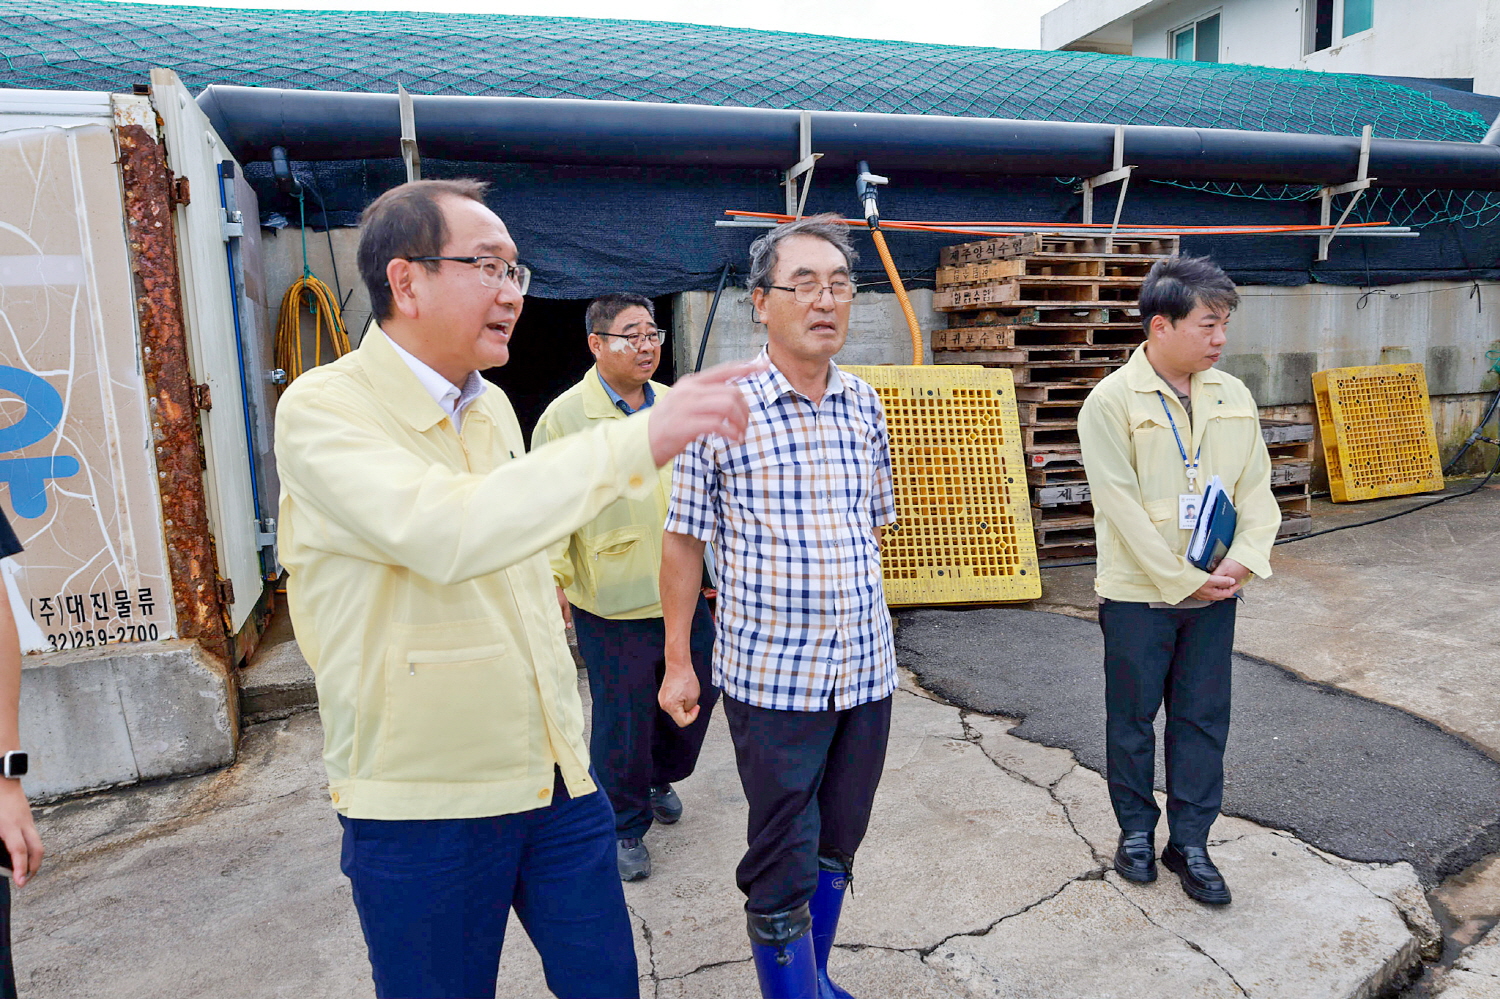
[[493, 271], [653, 336]]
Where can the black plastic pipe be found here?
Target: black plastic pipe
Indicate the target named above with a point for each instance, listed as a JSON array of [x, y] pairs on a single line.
[[708, 326], [323, 125]]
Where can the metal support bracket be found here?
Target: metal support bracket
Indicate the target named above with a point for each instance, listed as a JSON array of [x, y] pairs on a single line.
[[798, 180], [231, 224], [1357, 187], [409, 153], [1119, 174]]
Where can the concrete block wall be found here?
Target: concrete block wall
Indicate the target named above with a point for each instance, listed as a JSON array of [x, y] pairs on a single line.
[[96, 718]]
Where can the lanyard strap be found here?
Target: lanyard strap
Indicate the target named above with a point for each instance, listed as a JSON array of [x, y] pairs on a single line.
[[1191, 466]]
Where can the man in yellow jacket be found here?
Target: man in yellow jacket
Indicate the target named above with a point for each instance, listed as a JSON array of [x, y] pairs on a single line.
[[414, 531], [1154, 433], [607, 573]]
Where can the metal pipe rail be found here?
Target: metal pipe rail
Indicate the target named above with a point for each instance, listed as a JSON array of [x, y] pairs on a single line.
[[323, 125]]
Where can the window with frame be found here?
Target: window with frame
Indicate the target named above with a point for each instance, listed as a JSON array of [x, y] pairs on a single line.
[[1197, 42], [1328, 20]]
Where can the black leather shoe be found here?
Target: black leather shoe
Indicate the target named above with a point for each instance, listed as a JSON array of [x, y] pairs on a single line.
[[1200, 878], [1135, 859]]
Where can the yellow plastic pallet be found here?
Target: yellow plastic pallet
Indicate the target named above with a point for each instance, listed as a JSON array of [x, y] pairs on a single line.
[[1377, 428], [963, 515]]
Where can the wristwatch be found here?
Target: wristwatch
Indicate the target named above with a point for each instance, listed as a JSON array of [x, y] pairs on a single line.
[[16, 764]]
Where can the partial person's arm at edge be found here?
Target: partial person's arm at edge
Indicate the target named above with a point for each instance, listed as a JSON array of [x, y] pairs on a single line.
[[17, 828], [379, 501], [681, 582], [1257, 515], [1104, 434]]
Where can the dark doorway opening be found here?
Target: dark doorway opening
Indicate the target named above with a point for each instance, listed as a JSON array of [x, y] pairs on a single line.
[[549, 353]]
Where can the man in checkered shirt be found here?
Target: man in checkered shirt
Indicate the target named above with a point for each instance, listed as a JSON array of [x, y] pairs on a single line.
[[805, 656]]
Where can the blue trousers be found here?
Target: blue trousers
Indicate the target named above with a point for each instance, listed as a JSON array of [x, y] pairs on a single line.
[[433, 897], [634, 744], [1181, 657]]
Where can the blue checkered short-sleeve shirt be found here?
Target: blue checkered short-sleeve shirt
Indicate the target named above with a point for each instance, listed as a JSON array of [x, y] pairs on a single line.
[[791, 512]]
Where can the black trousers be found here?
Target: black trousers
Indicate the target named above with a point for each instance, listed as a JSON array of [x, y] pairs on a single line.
[[636, 745], [1182, 658], [810, 778], [7, 965]]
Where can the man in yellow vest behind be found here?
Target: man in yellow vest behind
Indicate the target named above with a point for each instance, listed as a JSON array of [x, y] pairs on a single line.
[[607, 571]]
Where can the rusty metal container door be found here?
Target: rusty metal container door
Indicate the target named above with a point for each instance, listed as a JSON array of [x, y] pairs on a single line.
[[194, 153]]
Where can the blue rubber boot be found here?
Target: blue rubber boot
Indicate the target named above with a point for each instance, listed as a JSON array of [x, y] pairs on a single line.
[[782, 946], [833, 878]]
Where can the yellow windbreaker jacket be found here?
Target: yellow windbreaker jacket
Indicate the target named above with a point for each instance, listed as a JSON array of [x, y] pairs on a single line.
[[1136, 473], [420, 589], [611, 565]]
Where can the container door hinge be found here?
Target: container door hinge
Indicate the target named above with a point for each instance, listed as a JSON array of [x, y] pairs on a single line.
[[226, 592], [180, 192], [231, 224], [266, 535], [203, 397]]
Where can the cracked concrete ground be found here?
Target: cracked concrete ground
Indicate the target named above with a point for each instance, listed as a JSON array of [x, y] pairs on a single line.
[[984, 874], [1402, 613]]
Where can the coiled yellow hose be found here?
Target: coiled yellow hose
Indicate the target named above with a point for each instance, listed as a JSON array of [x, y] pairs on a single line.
[[895, 276], [327, 320]]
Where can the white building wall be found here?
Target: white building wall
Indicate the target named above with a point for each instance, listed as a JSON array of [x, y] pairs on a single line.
[[1434, 38], [1256, 32]]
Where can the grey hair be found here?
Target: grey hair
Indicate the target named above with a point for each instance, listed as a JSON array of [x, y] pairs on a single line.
[[764, 254]]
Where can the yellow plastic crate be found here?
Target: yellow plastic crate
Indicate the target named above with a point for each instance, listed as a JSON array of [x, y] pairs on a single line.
[[1377, 431], [963, 514]]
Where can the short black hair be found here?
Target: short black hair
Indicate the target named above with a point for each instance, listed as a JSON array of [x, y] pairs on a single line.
[[404, 222], [1176, 286], [604, 309]]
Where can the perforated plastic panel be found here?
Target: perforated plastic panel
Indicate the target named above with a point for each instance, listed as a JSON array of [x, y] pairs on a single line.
[[963, 516], [1377, 428]]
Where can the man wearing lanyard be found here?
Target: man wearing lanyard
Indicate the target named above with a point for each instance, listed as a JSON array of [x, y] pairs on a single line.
[[606, 574], [1153, 434]]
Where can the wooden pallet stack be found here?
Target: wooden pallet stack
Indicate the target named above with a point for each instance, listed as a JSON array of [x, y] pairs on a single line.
[[1291, 447], [1061, 313]]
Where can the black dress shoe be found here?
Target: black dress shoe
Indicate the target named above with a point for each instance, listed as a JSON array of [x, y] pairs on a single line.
[[1135, 859], [1200, 878]]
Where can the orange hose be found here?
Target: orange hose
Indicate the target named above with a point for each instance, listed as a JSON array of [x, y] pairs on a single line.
[[895, 276]]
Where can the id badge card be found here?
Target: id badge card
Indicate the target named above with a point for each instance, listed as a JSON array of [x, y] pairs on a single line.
[[1189, 506]]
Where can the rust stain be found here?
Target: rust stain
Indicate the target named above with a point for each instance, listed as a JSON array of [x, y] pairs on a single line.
[[191, 555]]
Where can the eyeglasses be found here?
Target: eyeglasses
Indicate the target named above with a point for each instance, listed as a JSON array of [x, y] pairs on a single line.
[[493, 271], [652, 335], [808, 292]]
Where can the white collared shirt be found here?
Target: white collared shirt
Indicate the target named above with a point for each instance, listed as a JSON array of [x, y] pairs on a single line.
[[443, 392]]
